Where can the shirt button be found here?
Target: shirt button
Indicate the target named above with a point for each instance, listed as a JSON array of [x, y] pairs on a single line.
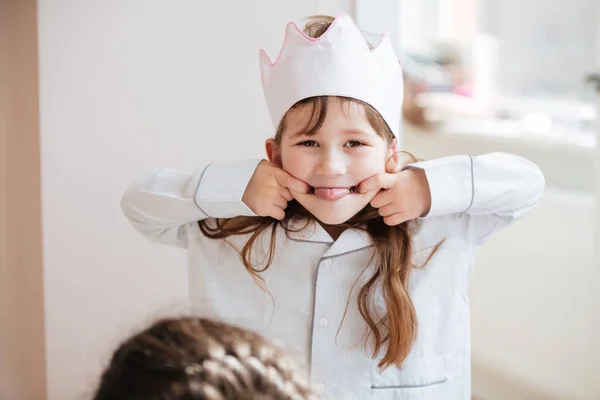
[[327, 262], [323, 322], [320, 387]]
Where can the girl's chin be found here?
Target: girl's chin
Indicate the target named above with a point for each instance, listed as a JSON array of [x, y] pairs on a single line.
[[333, 220]]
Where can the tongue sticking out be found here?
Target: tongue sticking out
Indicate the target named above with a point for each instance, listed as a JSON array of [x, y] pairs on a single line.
[[331, 194]]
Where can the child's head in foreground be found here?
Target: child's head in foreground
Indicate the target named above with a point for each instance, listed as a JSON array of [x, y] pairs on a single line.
[[200, 359]]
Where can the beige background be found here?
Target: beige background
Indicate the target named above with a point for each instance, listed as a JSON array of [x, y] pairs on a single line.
[[22, 347]]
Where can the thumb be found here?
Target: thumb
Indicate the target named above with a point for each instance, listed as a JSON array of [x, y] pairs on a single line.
[[288, 181], [379, 181]]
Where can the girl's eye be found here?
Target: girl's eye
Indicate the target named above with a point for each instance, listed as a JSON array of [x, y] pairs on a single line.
[[354, 143], [308, 143]]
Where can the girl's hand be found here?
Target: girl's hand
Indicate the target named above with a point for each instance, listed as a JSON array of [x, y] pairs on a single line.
[[402, 196], [268, 191]]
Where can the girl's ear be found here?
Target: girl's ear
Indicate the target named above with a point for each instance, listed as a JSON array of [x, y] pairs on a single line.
[[273, 152], [393, 157]]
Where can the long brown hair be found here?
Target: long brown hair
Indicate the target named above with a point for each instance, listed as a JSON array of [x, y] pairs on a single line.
[[200, 359], [395, 331]]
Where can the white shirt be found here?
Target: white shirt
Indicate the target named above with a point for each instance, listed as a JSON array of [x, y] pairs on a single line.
[[310, 282]]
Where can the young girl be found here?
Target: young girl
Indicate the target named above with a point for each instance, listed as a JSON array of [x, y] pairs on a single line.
[[355, 261], [200, 359]]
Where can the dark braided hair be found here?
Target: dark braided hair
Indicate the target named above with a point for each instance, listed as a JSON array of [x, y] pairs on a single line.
[[200, 359]]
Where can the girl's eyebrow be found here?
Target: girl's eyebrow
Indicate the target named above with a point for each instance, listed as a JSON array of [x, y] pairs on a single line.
[[355, 132], [349, 131], [295, 135]]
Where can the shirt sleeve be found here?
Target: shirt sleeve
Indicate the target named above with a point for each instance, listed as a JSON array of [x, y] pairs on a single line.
[[483, 194], [161, 202]]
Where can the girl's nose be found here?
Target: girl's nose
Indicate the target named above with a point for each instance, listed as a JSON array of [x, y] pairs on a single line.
[[331, 164]]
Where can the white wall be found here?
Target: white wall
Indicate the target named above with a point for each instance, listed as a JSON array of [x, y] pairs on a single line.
[[125, 86]]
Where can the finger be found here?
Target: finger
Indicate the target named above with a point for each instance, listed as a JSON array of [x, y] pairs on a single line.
[[388, 210], [379, 181], [280, 202], [395, 219], [382, 199], [288, 181], [286, 194], [277, 213]]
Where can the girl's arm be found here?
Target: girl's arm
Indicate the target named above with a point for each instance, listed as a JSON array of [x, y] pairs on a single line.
[[161, 202], [482, 194]]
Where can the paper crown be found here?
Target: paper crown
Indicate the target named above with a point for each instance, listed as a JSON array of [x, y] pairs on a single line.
[[338, 63]]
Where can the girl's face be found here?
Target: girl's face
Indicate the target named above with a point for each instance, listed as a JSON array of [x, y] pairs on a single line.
[[344, 151]]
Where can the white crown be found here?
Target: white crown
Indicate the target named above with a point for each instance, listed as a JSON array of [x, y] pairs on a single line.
[[338, 63]]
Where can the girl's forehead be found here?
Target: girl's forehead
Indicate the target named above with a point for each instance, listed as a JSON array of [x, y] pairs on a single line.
[[338, 117]]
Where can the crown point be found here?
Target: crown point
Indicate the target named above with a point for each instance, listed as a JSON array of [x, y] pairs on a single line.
[[264, 56]]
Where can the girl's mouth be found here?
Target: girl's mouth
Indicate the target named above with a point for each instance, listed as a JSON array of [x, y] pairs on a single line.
[[333, 193]]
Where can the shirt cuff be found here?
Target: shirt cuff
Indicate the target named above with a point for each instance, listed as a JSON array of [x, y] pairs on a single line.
[[221, 187], [450, 183]]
